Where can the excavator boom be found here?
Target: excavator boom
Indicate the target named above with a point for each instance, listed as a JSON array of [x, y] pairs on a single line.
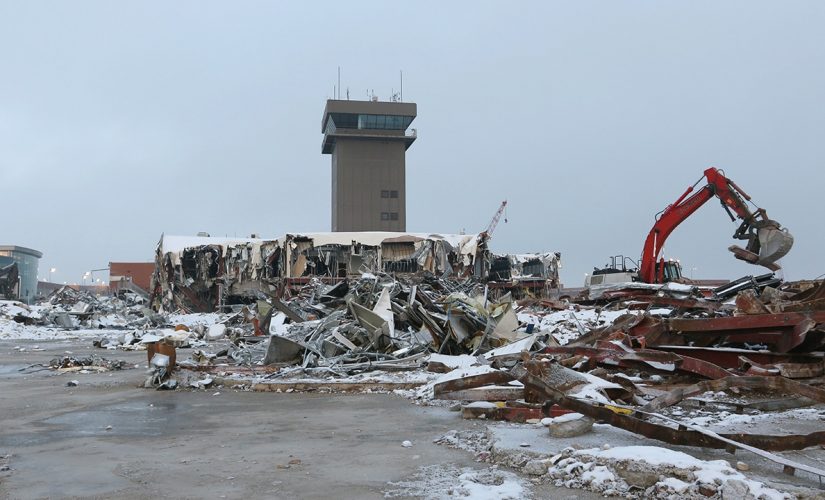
[[767, 240]]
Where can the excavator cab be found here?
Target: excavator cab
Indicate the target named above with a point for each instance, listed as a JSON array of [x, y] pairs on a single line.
[[669, 270]]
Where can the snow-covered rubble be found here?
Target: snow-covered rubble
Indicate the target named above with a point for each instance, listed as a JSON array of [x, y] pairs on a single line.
[[653, 472], [571, 323], [446, 481]]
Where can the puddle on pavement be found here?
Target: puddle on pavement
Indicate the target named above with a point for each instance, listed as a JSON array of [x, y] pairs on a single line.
[[12, 370], [129, 419]]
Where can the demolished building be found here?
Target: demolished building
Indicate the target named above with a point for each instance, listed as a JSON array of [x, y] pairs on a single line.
[[204, 273], [521, 275]]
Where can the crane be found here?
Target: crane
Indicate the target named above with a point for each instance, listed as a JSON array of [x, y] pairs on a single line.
[[494, 221]]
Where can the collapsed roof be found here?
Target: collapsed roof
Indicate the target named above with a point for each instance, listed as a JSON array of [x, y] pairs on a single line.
[[200, 273]]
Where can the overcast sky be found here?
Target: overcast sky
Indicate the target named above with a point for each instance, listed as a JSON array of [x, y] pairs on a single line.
[[120, 121]]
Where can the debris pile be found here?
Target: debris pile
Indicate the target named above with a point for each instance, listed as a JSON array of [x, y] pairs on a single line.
[[375, 322], [92, 363], [73, 364], [68, 308], [689, 373]]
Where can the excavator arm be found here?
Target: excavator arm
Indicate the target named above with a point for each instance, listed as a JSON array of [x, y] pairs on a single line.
[[767, 241]]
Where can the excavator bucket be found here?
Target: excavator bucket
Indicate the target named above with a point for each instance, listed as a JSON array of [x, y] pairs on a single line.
[[773, 244]]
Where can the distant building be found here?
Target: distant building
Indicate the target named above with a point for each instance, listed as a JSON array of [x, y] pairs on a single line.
[[121, 274], [368, 141], [27, 261]]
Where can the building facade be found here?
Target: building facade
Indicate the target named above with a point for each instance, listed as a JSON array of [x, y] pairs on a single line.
[[368, 141], [121, 274], [27, 261]]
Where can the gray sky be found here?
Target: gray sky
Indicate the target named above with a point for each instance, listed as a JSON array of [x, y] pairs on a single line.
[[123, 120]]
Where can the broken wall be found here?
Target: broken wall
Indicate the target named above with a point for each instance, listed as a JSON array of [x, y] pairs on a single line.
[[533, 274]]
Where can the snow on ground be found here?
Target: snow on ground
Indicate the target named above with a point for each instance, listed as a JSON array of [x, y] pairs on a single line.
[[194, 319], [446, 481], [461, 361], [655, 471], [727, 420], [372, 377], [570, 324], [474, 441], [12, 308], [11, 330]]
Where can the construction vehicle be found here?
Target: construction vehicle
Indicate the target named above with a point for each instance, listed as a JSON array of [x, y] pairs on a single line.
[[767, 240]]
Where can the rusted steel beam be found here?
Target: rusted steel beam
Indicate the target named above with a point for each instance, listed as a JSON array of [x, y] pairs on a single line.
[[508, 413], [703, 368], [729, 358], [779, 384], [655, 300], [620, 357], [767, 322], [790, 370], [785, 331], [629, 420], [492, 393], [470, 382]]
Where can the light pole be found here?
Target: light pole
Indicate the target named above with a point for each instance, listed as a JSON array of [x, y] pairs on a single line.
[[51, 270], [92, 274]]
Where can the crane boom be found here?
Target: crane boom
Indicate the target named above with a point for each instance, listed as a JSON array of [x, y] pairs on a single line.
[[494, 221]]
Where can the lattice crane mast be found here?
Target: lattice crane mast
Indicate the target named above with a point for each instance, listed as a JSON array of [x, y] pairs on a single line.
[[494, 221]]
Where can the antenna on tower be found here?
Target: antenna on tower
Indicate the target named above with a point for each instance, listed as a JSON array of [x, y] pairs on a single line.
[[339, 83]]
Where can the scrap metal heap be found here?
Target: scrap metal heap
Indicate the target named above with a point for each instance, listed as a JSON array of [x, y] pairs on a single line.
[[755, 347], [369, 323]]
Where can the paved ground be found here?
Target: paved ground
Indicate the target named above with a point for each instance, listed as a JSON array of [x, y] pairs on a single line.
[[109, 438]]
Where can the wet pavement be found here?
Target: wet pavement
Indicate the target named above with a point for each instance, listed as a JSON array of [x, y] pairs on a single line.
[[108, 437]]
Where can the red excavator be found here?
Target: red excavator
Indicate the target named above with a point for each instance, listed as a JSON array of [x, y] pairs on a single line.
[[767, 240]]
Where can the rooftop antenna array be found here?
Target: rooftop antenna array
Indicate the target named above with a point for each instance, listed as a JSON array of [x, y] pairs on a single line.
[[394, 96]]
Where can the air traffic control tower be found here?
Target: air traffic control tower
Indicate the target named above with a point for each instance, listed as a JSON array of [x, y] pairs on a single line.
[[368, 141]]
